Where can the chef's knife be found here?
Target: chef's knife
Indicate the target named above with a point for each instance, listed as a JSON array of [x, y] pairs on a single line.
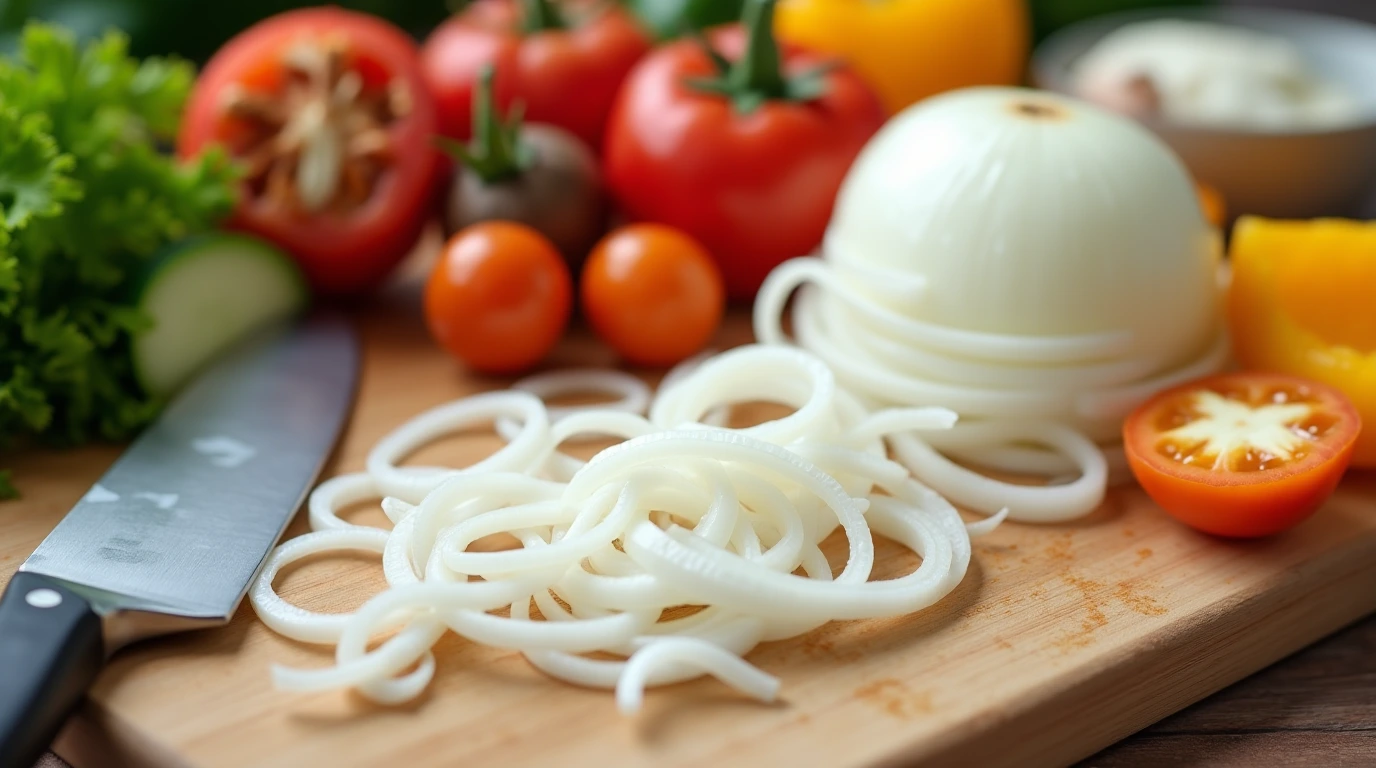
[[173, 534]]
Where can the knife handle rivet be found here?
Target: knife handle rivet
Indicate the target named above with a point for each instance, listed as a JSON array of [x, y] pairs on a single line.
[[43, 598]]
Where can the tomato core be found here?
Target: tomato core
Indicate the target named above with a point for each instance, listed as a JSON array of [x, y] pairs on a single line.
[[314, 135], [1241, 431]]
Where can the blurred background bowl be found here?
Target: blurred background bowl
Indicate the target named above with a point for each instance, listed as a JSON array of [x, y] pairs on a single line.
[[1298, 174]]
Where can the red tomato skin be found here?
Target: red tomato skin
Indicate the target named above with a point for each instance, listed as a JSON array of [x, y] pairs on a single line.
[[340, 254], [567, 77], [755, 189], [1242, 504]]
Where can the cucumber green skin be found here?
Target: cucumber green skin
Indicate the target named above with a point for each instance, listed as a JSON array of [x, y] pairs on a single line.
[[174, 253], [186, 247]]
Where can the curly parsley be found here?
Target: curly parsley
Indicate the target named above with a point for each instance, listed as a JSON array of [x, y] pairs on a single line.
[[87, 196]]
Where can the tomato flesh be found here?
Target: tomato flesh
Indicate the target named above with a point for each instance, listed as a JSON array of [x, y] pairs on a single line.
[[327, 112], [1242, 455]]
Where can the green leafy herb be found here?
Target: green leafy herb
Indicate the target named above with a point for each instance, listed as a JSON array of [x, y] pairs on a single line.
[[87, 196], [7, 489]]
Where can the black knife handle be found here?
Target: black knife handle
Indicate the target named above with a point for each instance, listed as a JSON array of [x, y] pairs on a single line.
[[50, 652]]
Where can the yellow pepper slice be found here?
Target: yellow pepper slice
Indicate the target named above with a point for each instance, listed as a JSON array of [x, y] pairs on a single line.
[[908, 50], [1303, 301]]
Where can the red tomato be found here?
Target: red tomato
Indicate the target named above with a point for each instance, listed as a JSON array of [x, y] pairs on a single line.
[[328, 111], [1245, 454], [653, 294], [499, 298], [565, 76], [756, 188]]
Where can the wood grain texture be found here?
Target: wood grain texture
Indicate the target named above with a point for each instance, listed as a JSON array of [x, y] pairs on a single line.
[[1062, 640], [1313, 710]]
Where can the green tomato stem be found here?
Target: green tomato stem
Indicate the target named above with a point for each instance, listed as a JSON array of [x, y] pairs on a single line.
[[757, 77], [540, 16], [495, 153], [758, 69]]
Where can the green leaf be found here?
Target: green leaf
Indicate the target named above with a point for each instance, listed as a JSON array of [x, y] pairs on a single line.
[[87, 198], [9, 285], [7, 489], [32, 180], [23, 396], [158, 90]]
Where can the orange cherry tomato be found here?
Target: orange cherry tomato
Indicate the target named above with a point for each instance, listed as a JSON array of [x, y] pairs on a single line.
[[653, 293], [1243, 454], [499, 298]]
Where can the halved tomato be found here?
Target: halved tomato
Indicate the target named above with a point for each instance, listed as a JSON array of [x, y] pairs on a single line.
[[1243, 454], [329, 115]]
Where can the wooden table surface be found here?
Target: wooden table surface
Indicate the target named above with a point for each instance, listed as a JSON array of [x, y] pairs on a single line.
[[1316, 708]]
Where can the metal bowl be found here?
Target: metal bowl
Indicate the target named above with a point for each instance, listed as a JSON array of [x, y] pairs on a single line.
[[1299, 174]]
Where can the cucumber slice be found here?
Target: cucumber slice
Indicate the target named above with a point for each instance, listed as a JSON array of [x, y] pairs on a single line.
[[203, 295]]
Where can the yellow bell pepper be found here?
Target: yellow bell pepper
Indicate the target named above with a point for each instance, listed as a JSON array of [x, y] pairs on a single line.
[[911, 49], [1303, 301]]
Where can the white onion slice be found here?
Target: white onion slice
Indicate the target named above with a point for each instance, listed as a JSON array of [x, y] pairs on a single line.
[[337, 493], [411, 484], [953, 369], [680, 514], [295, 622], [798, 379], [687, 651], [1116, 403], [781, 283], [1041, 504], [738, 636], [632, 393]]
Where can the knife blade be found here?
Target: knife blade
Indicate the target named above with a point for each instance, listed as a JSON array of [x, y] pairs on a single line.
[[173, 534]]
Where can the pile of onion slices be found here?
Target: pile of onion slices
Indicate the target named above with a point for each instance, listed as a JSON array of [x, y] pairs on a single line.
[[676, 550]]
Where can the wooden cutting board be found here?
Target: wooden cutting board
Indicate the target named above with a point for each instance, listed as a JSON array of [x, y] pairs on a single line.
[[1062, 639]]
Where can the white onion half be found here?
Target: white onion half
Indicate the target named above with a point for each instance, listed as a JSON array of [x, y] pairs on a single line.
[[1035, 264]]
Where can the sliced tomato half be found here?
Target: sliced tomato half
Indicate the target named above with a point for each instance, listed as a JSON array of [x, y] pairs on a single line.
[[328, 113], [1242, 454]]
